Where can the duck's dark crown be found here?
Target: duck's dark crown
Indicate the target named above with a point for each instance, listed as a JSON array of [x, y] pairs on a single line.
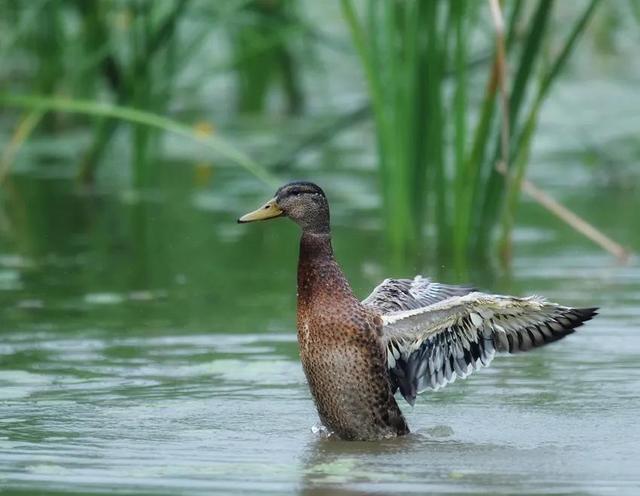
[[299, 187]]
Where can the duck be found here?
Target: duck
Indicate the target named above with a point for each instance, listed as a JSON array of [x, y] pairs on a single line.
[[409, 335]]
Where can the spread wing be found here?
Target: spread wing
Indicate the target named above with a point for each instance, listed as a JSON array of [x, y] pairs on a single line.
[[429, 347], [395, 295]]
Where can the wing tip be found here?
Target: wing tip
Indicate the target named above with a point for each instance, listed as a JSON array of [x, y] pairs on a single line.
[[584, 314]]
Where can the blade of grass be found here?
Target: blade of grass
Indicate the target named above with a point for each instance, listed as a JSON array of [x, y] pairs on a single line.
[[501, 59], [375, 54], [436, 45], [514, 21], [132, 83], [214, 143], [529, 53], [24, 129], [525, 139], [575, 221], [494, 188], [416, 124], [460, 235], [476, 163]]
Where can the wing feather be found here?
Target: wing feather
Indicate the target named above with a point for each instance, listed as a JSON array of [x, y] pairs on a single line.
[[396, 295], [432, 345]]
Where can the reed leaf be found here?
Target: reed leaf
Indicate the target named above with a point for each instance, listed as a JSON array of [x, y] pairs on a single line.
[[216, 144], [435, 165], [23, 130], [496, 183], [524, 141]]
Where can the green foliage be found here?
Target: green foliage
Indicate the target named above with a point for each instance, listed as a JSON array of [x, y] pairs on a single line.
[[133, 54], [441, 128], [214, 143], [262, 54], [438, 148]]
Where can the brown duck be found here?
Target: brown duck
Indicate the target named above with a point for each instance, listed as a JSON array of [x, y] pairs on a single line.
[[408, 335]]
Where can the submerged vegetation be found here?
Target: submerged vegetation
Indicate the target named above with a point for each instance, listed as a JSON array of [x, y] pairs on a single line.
[[455, 91]]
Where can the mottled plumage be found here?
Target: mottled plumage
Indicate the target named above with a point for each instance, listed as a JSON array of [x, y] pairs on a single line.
[[341, 351], [409, 334]]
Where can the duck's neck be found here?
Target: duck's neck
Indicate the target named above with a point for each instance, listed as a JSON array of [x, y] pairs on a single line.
[[319, 275]]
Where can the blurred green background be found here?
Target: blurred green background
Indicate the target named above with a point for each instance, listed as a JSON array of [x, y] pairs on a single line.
[[431, 98], [139, 324]]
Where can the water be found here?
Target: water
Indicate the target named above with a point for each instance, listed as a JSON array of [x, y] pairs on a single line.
[[147, 342], [148, 347]]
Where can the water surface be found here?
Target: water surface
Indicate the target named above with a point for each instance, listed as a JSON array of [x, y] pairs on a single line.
[[148, 347], [147, 342]]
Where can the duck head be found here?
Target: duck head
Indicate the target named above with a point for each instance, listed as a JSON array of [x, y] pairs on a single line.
[[303, 202]]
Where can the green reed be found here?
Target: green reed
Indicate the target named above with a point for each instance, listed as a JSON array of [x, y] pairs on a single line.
[[438, 146], [440, 128], [214, 143], [132, 54], [262, 55]]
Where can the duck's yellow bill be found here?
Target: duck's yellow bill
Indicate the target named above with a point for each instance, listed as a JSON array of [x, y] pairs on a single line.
[[267, 211]]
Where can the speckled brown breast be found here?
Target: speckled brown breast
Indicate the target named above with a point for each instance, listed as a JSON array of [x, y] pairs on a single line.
[[341, 351]]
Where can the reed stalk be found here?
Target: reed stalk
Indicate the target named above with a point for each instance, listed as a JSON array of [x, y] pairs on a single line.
[[437, 162]]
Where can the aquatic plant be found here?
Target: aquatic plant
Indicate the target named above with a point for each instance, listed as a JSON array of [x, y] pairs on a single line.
[[453, 148], [133, 55], [446, 159]]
